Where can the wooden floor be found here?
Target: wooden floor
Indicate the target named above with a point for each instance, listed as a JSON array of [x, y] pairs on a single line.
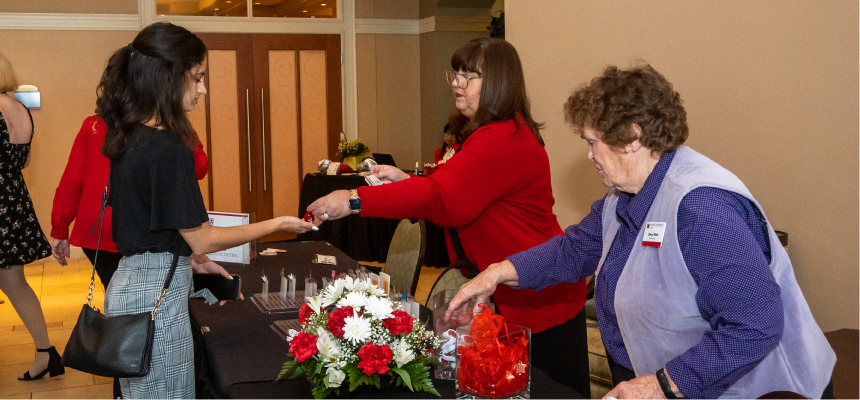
[[62, 291]]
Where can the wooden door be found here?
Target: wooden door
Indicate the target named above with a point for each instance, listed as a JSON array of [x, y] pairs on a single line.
[[297, 81], [272, 112]]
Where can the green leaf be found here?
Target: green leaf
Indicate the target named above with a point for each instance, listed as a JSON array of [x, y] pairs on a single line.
[[290, 367], [403, 375]]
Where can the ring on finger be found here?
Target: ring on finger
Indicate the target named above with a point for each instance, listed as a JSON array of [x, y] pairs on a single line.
[[325, 216]]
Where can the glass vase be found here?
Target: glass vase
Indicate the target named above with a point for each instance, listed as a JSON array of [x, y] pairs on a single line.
[[505, 377]]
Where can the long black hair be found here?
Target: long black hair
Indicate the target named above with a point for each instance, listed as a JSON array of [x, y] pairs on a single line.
[[147, 80]]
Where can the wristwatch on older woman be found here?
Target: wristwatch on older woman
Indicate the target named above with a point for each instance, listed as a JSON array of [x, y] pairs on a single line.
[[666, 386], [354, 202]]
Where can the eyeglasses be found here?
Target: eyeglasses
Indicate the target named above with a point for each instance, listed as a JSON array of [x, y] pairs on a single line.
[[461, 79]]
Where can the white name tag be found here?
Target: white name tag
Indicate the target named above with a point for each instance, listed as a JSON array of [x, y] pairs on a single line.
[[653, 236]]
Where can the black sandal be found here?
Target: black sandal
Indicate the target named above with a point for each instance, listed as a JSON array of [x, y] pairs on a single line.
[[55, 365]]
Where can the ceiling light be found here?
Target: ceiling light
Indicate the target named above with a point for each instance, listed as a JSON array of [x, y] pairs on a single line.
[[322, 4], [304, 10], [228, 1], [216, 9]]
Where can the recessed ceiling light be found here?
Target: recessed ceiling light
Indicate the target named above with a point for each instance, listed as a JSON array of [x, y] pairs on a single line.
[[228, 1], [257, 3], [322, 4], [304, 10], [216, 9]]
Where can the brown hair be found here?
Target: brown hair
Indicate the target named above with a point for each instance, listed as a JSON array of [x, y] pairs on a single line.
[[615, 101], [8, 80], [148, 79], [503, 86]]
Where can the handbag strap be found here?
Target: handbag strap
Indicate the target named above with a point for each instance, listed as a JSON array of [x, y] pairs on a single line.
[[100, 224]]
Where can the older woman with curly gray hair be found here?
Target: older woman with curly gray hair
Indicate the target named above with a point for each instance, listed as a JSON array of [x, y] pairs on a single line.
[[694, 295]]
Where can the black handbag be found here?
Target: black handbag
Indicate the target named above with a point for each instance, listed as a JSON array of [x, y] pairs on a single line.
[[121, 346]]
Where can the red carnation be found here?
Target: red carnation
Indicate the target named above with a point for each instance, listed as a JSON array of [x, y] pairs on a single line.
[[401, 323], [335, 320], [304, 312], [374, 359], [303, 346]]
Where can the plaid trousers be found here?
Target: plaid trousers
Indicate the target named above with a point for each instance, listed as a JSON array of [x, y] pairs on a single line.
[[134, 289]]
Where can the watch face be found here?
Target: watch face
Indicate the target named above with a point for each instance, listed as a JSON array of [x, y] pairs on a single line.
[[354, 204]]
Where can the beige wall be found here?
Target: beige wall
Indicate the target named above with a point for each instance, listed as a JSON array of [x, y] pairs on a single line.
[[386, 9], [389, 118], [771, 92], [66, 67], [70, 6], [387, 70]]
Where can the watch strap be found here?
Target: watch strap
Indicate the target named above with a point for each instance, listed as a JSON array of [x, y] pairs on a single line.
[[664, 384]]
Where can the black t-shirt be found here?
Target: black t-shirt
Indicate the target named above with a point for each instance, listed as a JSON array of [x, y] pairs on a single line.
[[154, 193]]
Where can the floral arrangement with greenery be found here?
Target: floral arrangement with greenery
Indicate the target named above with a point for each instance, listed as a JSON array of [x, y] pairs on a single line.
[[353, 333], [355, 148]]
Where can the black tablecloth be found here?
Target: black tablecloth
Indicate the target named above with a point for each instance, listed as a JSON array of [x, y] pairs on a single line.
[[240, 346], [542, 387], [243, 355], [363, 238]]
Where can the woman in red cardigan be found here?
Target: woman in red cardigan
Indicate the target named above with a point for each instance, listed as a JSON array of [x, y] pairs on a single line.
[[498, 204], [79, 198], [451, 139]]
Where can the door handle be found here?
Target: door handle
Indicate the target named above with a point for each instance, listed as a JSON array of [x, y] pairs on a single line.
[[263, 119], [248, 130]]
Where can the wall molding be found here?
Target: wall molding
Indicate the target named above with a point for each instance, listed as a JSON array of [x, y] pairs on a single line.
[[85, 22], [450, 23], [387, 26], [132, 22]]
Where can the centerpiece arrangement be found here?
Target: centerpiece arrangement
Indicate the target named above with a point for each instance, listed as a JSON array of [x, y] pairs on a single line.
[[350, 152], [353, 333]]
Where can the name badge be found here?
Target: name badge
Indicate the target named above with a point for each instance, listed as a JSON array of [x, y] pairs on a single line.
[[654, 234]]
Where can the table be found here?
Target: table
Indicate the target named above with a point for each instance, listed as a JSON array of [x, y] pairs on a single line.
[[363, 238], [241, 355]]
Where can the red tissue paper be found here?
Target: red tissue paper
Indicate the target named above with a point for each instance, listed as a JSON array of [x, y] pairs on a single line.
[[496, 363]]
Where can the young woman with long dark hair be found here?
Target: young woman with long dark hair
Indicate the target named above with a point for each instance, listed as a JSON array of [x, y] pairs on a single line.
[[158, 212]]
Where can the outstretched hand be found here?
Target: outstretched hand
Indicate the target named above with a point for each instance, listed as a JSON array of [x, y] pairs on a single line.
[[201, 264], [482, 286], [332, 206]]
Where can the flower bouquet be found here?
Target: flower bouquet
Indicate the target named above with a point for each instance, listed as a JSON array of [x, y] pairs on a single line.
[[349, 152], [353, 333]]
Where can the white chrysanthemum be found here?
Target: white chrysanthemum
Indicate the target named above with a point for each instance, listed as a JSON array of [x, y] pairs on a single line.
[[335, 377], [378, 307], [332, 293], [375, 291], [291, 334], [314, 303], [361, 285], [355, 300], [356, 329], [327, 345], [403, 354]]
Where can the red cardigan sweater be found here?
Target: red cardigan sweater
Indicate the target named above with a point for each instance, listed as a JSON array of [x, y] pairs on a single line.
[[79, 196], [499, 204]]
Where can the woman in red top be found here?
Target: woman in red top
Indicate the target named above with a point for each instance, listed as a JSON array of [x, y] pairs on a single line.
[[79, 198], [451, 139], [499, 205]]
